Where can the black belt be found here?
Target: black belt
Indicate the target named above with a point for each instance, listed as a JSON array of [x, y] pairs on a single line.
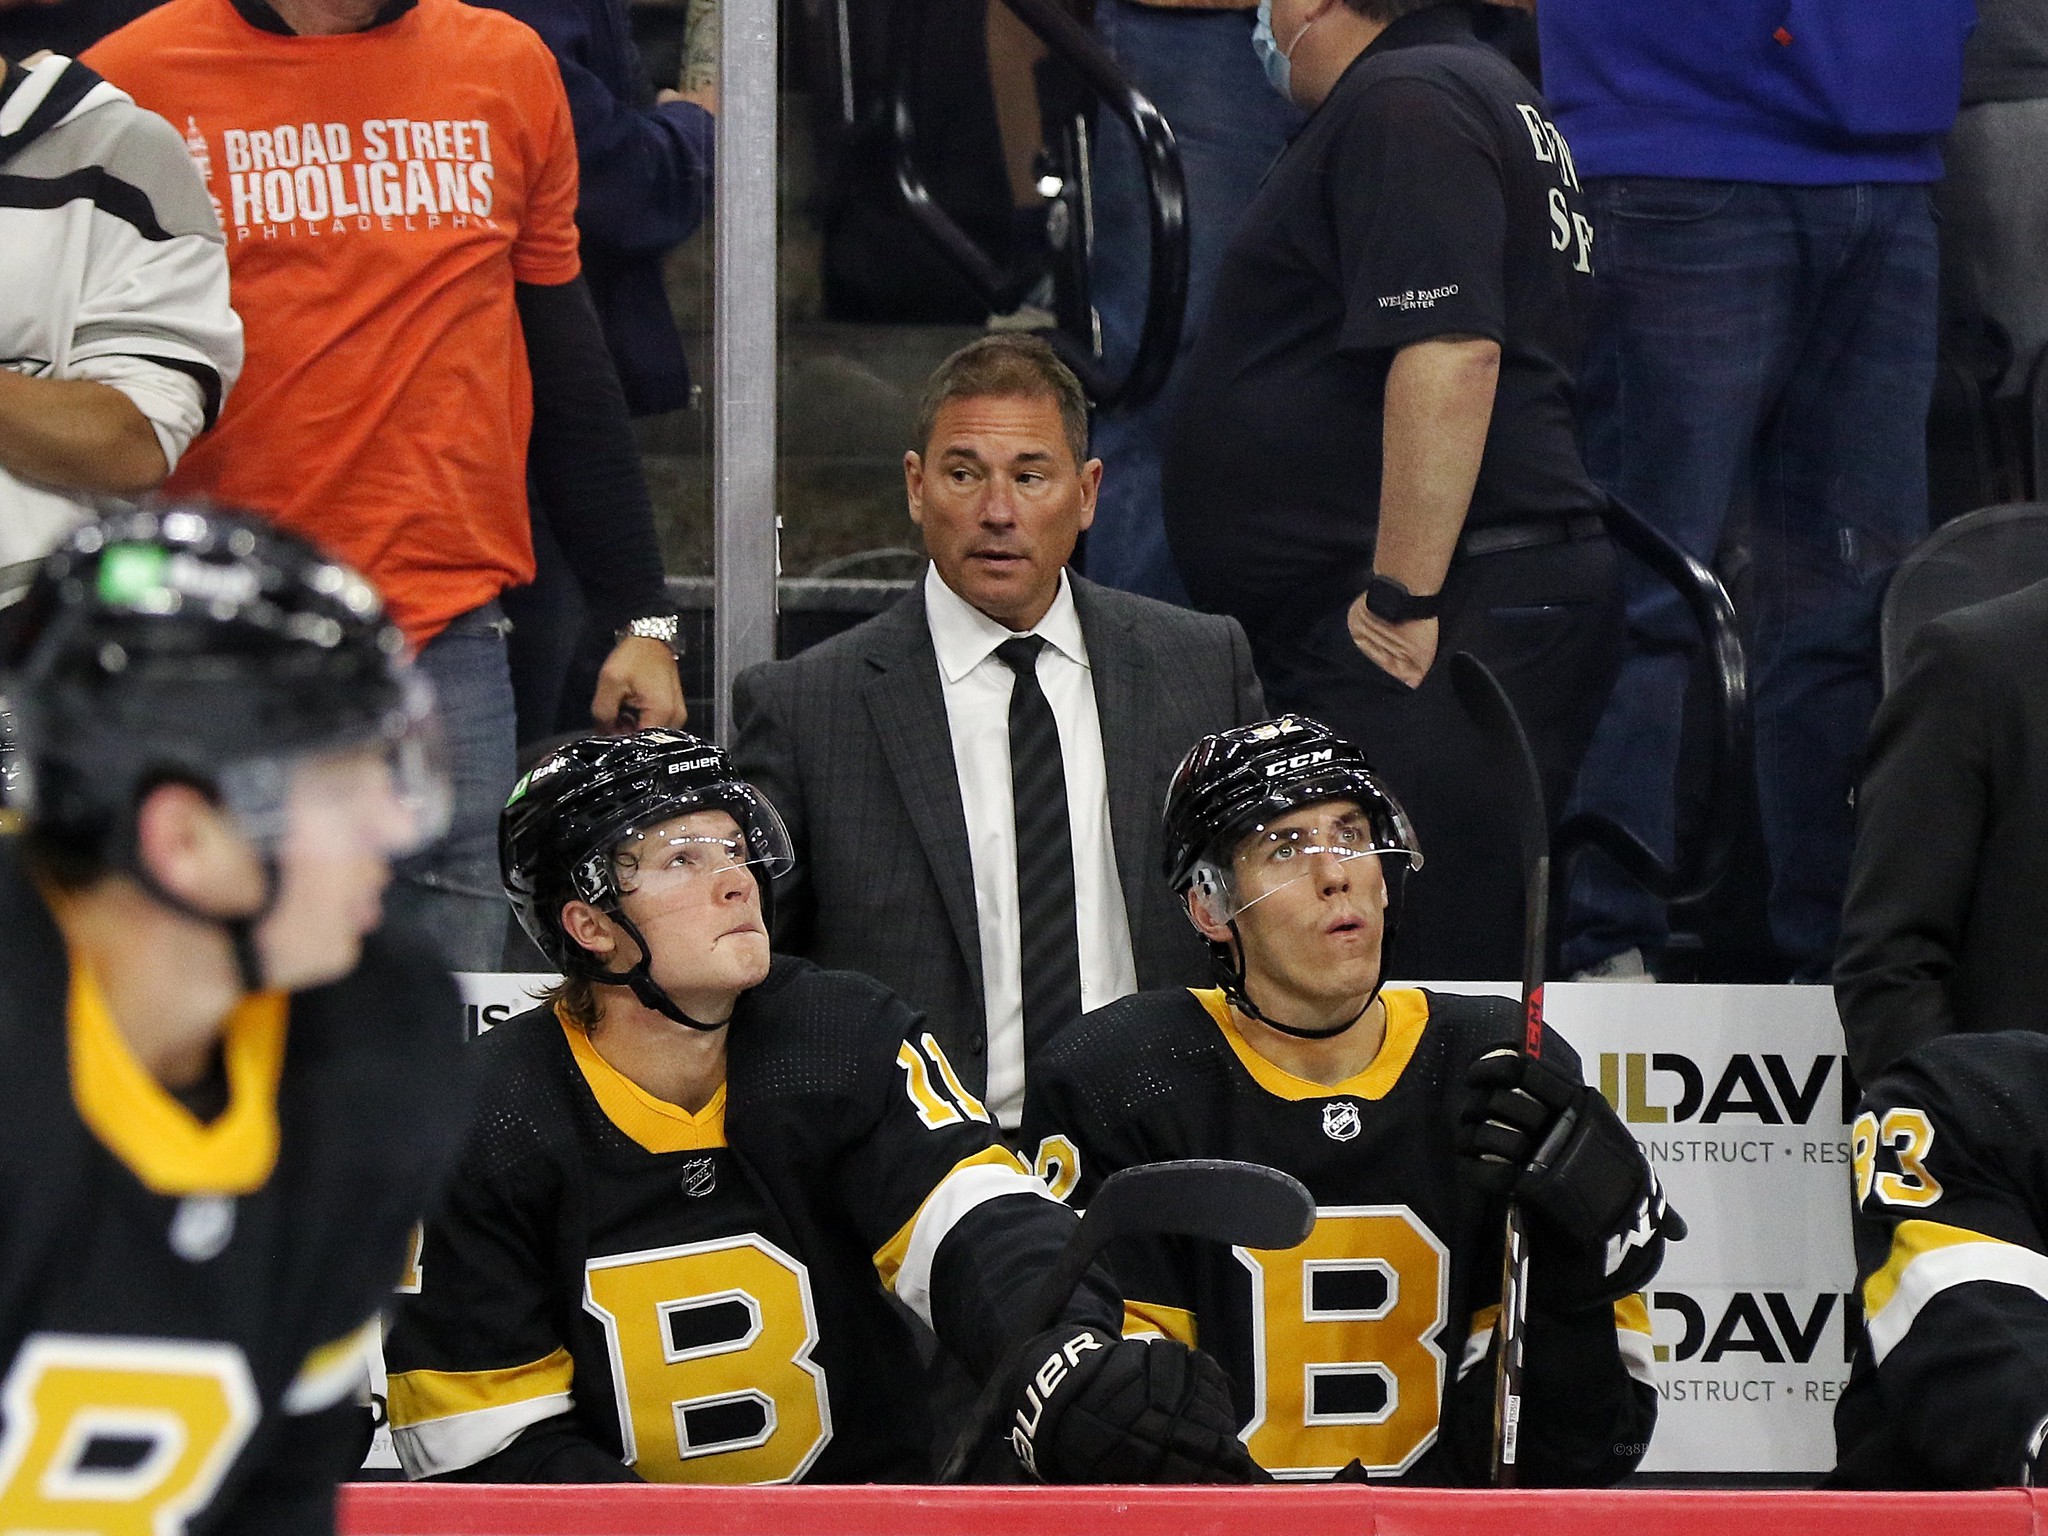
[[1531, 533]]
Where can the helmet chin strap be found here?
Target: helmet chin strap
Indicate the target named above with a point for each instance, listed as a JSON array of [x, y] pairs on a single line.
[[1233, 978], [639, 979], [240, 931]]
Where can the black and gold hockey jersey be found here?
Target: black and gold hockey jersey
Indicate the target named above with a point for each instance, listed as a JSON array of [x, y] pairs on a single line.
[[617, 1283], [1949, 1158], [1372, 1339], [187, 1305]]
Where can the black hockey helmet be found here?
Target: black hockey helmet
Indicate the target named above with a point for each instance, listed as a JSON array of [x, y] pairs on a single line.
[[1233, 783], [201, 645], [567, 817]]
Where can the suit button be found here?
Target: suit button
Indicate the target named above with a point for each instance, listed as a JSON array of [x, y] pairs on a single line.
[[977, 1043]]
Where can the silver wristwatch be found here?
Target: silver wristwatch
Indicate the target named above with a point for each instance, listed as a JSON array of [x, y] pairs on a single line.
[[660, 626]]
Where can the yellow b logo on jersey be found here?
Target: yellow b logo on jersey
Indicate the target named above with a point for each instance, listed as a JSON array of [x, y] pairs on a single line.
[[120, 1437]]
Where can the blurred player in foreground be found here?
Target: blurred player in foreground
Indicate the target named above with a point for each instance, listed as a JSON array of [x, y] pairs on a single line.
[[228, 1097], [1408, 1115], [698, 1174], [1949, 1388]]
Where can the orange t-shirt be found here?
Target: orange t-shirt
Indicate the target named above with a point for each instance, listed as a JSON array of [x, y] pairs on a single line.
[[381, 193]]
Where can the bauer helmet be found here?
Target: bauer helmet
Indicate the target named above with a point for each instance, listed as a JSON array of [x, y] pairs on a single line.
[[1232, 785], [567, 819], [199, 645]]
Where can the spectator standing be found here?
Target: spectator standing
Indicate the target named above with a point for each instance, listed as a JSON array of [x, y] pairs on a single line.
[[1942, 928], [1994, 200], [971, 778], [399, 184], [1193, 59], [644, 181], [119, 342], [1373, 461], [1764, 334]]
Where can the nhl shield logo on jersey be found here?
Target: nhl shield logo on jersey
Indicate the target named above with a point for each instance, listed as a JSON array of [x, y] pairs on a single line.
[[1341, 1121], [700, 1177]]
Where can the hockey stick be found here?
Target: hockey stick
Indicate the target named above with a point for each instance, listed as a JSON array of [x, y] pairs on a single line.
[[1227, 1202], [1486, 702]]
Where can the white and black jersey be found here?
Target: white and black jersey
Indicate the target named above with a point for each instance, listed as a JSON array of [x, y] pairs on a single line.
[[113, 269]]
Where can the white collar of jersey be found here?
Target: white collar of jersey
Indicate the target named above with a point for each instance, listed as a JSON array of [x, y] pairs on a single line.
[[964, 637]]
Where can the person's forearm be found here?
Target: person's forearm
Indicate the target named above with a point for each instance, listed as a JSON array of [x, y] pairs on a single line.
[[76, 435], [1439, 399]]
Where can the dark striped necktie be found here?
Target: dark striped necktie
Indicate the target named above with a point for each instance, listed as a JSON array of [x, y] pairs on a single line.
[[1046, 920]]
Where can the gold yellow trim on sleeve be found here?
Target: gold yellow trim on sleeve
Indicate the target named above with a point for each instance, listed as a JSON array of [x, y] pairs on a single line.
[[1407, 1015], [1910, 1239], [162, 1142], [419, 1397], [654, 1124], [890, 1256], [1632, 1314], [1144, 1318]]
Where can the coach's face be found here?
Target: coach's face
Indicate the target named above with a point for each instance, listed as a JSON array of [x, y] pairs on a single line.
[[1001, 502]]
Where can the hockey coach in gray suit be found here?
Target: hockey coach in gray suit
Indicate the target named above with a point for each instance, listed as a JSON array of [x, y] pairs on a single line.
[[973, 777]]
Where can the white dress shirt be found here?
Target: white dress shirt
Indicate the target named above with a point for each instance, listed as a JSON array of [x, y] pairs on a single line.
[[977, 685]]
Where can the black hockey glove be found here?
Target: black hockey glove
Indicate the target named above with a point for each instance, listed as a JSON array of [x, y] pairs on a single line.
[[1093, 1409], [1556, 1145]]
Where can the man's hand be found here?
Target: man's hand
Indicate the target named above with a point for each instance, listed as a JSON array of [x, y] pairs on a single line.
[[1405, 651], [1099, 1410], [638, 687]]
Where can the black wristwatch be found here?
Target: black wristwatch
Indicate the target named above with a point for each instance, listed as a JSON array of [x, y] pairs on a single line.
[[1390, 599]]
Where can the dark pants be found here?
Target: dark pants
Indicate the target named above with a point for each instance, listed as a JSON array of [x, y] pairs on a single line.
[[1547, 621], [1775, 346]]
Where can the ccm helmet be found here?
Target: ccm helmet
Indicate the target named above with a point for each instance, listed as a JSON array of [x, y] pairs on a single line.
[[193, 644], [1232, 785], [566, 819]]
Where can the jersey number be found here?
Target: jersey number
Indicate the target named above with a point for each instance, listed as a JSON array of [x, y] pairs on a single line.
[[711, 1361], [1344, 1351], [126, 1437], [1910, 1136], [935, 1090]]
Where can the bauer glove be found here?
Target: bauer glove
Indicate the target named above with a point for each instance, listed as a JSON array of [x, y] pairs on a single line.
[[1096, 1409]]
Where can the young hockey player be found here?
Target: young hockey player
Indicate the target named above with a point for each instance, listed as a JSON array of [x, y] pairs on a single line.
[[228, 1097], [698, 1175], [1407, 1114], [1949, 1152]]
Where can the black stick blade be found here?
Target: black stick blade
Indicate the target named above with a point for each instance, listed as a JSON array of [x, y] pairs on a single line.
[[1486, 702], [1227, 1202]]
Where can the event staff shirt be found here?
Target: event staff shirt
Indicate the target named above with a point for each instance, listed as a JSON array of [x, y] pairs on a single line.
[[382, 191], [1428, 196]]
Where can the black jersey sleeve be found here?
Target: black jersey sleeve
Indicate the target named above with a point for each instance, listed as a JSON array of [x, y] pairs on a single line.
[[476, 1363], [962, 1230], [1950, 1385], [1420, 212]]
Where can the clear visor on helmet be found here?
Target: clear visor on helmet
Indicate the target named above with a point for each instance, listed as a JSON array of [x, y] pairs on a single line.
[[700, 836], [389, 794], [1268, 857]]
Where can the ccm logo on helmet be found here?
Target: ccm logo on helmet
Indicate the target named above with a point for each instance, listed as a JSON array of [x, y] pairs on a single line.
[[1300, 760]]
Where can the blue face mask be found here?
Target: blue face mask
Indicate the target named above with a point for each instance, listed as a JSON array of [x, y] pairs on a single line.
[[1273, 59]]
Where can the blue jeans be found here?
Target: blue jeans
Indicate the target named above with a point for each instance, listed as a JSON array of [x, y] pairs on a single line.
[[451, 892], [1768, 346], [1198, 68]]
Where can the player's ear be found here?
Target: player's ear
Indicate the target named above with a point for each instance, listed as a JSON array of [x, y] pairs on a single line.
[[1205, 908], [190, 847], [590, 928]]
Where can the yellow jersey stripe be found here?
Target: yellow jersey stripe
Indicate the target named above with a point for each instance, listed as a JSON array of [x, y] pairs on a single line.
[[654, 1124], [1407, 1013], [419, 1397], [162, 1142], [1929, 1257], [905, 1261], [1144, 1319]]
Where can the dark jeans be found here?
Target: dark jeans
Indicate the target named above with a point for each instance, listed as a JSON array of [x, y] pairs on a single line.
[[1548, 622], [1198, 68], [1772, 345]]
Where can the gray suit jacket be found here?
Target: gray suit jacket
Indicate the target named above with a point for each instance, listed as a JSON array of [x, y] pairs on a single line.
[[850, 741]]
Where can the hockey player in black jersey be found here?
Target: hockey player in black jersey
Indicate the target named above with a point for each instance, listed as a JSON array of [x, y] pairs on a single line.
[[1406, 1113], [227, 1099], [700, 1172], [1949, 1156]]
